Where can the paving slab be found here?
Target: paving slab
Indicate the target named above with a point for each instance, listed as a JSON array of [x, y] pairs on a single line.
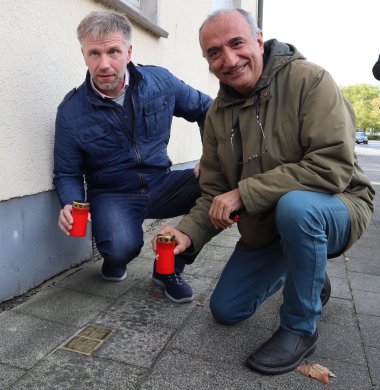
[[370, 330], [64, 306], [336, 269], [364, 282], [363, 256], [373, 355], [70, 370], [367, 302], [147, 251], [9, 375], [227, 238], [340, 342], [348, 377], [145, 307], [88, 280], [215, 252], [206, 264], [140, 267], [340, 288], [179, 370], [205, 338], [368, 264], [340, 312], [138, 344], [373, 227], [26, 340]]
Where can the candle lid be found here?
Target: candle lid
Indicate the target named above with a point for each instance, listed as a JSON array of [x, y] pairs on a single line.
[[165, 238], [81, 204]]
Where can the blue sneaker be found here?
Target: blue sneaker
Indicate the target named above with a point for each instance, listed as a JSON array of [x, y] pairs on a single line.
[[176, 289], [114, 275]]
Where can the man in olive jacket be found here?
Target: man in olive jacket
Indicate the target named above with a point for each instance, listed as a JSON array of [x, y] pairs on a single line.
[[279, 149]]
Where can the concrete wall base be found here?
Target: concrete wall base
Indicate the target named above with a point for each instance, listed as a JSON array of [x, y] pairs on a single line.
[[33, 248]]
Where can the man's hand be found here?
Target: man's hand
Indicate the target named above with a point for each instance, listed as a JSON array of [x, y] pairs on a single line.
[[65, 219], [222, 206], [182, 240]]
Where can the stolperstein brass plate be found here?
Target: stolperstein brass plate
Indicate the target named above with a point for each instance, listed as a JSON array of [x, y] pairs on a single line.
[[88, 339]]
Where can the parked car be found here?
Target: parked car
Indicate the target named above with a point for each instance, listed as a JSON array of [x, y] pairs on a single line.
[[361, 138]]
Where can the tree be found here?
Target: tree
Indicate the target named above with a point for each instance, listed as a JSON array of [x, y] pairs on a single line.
[[365, 100]]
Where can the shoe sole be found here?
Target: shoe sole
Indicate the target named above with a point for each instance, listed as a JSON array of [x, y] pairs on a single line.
[[162, 284], [114, 278], [280, 370]]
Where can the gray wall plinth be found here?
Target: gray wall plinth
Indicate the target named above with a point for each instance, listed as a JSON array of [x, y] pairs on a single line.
[[33, 249]]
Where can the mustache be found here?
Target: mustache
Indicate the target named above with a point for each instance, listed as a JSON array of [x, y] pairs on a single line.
[[233, 68]]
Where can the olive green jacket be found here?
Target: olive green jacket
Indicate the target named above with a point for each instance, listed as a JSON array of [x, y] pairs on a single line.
[[309, 131]]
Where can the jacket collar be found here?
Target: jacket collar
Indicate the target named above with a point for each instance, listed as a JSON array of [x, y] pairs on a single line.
[[278, 55], [95, 99]]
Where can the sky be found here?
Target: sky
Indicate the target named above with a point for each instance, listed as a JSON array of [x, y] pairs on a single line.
[[343, 36]]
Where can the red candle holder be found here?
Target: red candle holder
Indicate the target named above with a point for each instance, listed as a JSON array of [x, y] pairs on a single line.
[[165, 245], [80, 216]]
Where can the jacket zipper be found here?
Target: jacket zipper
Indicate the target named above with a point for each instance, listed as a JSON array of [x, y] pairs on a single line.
[[139, 159], [131, 139]]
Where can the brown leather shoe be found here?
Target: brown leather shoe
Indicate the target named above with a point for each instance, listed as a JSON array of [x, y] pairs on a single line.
[[283, 352]]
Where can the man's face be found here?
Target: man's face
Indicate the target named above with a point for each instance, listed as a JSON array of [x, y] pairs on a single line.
[[106, 60], [234, 56]]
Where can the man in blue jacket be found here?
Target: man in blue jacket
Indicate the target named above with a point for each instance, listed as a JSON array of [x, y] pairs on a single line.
[[112, 134]]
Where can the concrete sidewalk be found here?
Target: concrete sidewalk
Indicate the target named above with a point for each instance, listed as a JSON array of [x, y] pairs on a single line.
[[157, 344]]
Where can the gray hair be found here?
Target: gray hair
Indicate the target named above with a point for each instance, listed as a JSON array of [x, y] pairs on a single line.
[[247, 16], [100, 23]]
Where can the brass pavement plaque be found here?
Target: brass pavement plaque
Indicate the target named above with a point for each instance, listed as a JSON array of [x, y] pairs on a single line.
[[95, 332], [88, 339]]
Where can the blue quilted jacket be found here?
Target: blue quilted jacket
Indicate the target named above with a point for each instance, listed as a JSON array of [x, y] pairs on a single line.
[[115, 148]]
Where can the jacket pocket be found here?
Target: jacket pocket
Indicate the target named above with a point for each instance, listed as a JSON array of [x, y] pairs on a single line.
[[99, 143], [158, 114], [93, 133]]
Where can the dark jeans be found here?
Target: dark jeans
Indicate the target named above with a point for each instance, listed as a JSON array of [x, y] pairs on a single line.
[[117, 217]]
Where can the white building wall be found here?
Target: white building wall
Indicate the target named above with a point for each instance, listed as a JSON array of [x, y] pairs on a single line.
[[41, 61]]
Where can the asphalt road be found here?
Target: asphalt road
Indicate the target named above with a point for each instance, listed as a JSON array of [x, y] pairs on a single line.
[[369, 160]]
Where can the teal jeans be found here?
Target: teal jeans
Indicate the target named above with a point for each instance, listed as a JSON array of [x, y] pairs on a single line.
[[312, 226]]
